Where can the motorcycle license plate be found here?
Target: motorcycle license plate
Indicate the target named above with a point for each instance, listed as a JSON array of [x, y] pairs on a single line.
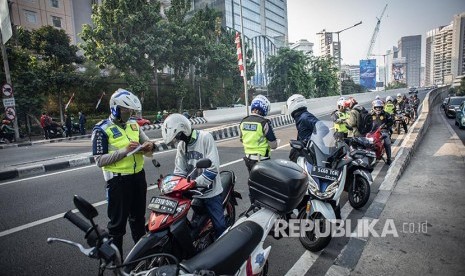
[[325, 173], [163, 205]]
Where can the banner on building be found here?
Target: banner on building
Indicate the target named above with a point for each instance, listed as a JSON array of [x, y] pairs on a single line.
[[368, 73], [398, 69]]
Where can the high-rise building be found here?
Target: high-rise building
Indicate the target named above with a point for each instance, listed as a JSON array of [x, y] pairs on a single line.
[[33, 14], [429, 65], [458, 45], [410, 49], [442, 57], [264, 24], [329, 47]]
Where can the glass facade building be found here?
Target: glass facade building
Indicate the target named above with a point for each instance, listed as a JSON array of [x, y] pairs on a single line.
[[265, 28], [410, 49]]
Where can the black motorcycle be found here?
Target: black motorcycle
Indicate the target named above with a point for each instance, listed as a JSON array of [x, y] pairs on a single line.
[[359, 176]]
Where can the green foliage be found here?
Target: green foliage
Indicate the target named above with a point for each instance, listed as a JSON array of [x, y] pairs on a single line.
[[127, 34], [349, 87], [396, 85], [324, 71], [461, 89], [289, 74]]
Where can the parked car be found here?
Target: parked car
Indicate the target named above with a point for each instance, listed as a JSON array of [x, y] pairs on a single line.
[[452, 105], [142, 122], [460, 116]]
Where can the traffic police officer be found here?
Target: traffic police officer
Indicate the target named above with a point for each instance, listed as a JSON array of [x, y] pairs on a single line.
[[118, 146], [256, 133], [340, 117]]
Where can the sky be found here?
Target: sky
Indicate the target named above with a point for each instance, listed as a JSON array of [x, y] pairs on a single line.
[[402, 18]]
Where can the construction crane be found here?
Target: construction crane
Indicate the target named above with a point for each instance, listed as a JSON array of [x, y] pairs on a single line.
[[375, 34]]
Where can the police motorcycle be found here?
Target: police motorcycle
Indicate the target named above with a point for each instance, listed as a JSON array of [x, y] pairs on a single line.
[[276, 189], [327, 165]]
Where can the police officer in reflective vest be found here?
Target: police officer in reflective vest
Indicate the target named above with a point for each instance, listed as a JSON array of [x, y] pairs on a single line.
[[256, 133], [114, 142], [340, 117], [389, 106]]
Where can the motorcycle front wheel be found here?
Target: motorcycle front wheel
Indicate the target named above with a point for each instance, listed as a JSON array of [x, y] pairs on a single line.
[[309, 239], [360, 193]]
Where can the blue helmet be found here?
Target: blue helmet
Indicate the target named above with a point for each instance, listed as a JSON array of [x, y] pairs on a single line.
[[262, 104]]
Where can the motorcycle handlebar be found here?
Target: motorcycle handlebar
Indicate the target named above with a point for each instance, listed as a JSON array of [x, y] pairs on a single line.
[[81, 224]]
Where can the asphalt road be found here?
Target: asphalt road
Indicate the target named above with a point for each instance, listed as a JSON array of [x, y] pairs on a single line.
[[32, 210]]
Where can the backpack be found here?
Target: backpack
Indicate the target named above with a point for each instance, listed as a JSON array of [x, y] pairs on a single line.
[[365, 123]]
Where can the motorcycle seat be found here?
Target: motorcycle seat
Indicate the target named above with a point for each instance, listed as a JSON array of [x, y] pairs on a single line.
[[226, 255], [227, 179]]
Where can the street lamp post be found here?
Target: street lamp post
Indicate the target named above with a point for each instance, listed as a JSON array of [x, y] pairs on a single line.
[[339, 56]]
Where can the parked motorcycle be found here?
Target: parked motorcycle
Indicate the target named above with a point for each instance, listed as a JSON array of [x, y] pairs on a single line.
[[170, 230], [326, 163], [56, 130], [359, 176], [276, 188]]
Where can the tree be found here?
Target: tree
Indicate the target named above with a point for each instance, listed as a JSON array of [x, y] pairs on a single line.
[[289, 74], [348, 86], [461, 89], [129, 35], [324, 72]]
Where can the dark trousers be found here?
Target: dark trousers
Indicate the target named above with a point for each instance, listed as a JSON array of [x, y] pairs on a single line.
[[47, 132], [82, 129], [249, 163], [126, 197], [214, 207], [387, 144]]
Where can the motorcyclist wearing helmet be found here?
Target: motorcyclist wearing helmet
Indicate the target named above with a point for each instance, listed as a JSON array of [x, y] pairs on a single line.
[[256, 133], [354, 117], [415, 104], [113, 141], [193, 145], [380, 117], [340, 117], [304, 121], [6, 131], [389, 106]]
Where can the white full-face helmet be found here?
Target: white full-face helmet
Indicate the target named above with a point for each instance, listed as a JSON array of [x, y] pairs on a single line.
[[175, 126], [123, 98], [295, 102]]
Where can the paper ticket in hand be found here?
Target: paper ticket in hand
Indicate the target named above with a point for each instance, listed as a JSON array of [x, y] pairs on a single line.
[[134, 150]]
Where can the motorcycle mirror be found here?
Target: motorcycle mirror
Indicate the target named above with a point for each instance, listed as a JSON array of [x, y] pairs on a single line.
[[203, 163], [86, 209], [155, 163]]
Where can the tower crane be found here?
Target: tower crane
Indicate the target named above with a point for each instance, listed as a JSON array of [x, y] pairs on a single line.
[[375, 34]]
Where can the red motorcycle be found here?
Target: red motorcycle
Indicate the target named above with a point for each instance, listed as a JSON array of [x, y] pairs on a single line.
[[373, 141], [171, 228]]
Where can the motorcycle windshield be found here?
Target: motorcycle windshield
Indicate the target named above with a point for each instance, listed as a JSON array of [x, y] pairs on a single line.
[[323, 137]]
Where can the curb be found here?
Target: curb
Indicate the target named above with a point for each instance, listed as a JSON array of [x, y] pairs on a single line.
[[218, 134], [40, 169], [194, 121], [347, 260]]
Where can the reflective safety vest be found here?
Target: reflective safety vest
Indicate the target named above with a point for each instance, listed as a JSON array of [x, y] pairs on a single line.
[[341, 127], [389, 108], [119, 138], [252, 136]]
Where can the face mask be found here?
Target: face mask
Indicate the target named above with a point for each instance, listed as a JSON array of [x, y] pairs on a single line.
[[125, 114]]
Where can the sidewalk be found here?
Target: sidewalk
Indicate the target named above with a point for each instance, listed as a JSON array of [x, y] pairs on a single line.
[[428, 209]]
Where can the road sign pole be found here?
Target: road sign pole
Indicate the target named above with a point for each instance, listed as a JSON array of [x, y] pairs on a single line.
[[8, 80]]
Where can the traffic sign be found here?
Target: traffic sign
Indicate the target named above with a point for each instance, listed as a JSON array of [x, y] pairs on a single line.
[[9, 102], [10, 113], [7, 90]]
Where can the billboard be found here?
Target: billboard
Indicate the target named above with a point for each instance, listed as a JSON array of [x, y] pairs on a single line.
[[398, 69], [368, 73]]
